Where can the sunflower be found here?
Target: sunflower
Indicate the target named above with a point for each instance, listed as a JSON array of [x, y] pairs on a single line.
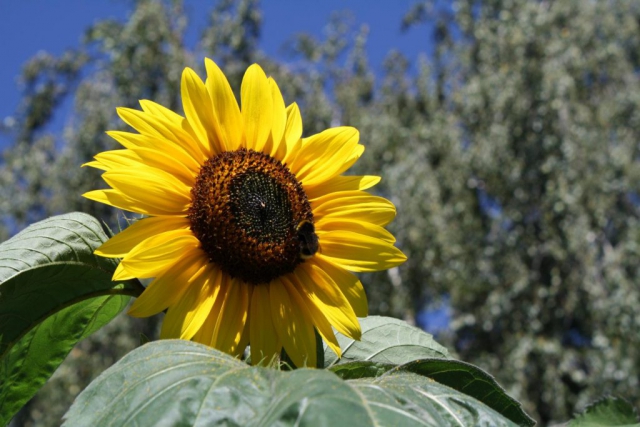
[[251, 232]]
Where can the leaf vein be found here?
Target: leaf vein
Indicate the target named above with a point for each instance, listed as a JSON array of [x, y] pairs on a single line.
[[435, 399]]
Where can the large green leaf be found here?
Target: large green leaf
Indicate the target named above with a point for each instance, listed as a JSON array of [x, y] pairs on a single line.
[[471, 380], [183, 383], [53, 293], [388, 341], [361, 369], [461, 376], [390, 344], [608, 412]]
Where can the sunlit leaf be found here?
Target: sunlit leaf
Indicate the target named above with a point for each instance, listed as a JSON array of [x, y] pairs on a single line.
[[608, 412], [386, 340], [471, 380], [53, 293], [361, 369], [390, 344], [175, 382]]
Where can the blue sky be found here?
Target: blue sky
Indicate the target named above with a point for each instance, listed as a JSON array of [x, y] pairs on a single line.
[[30, 26]]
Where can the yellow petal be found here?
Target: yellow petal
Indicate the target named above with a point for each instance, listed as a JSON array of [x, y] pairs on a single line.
[[321, 289], [256, 108], [119, 200], [327, 154], [244, 337], [361, 227], [163, 161], [341, 183], [359, 253], [144, 123], [121, 274], [95, 164], [160, 128], [156, 109], [292, 133], [169, 286], [175, 119], [151, 186], [205, 334], [114, 159], [157, 253], [265, 344], [348, 283], [120, 244], [279, 147], [293, 324], [225, 107], [188, 314], [233, 316], [354, 205], [199, 111], [132, 141], [318, 318], [145, 157]]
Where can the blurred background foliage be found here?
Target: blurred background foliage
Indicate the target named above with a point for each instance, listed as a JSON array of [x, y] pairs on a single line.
[[511, 155]]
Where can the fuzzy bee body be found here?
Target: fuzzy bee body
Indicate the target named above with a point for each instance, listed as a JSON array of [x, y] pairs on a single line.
[[308, 239]]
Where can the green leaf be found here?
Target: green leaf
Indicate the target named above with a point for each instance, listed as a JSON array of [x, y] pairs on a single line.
[[174, 382], [356, 370], [471, 380], [389, 343], [608, 412], [53, 293], [386, 340]]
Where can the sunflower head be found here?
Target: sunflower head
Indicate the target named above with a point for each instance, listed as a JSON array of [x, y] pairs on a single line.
[[246, 208], [252, 234]]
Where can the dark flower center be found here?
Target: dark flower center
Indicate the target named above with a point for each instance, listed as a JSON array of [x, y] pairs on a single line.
[[248, 211]]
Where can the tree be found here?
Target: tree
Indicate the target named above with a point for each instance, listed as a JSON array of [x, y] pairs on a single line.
[[533, 213], [511, 155]]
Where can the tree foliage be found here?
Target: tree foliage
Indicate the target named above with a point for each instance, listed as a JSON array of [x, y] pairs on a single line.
[[511, 154]]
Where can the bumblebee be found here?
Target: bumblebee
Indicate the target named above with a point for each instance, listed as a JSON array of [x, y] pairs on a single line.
[[307, 238]]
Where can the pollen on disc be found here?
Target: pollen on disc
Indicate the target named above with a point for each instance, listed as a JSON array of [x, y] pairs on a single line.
[[246, 207]]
